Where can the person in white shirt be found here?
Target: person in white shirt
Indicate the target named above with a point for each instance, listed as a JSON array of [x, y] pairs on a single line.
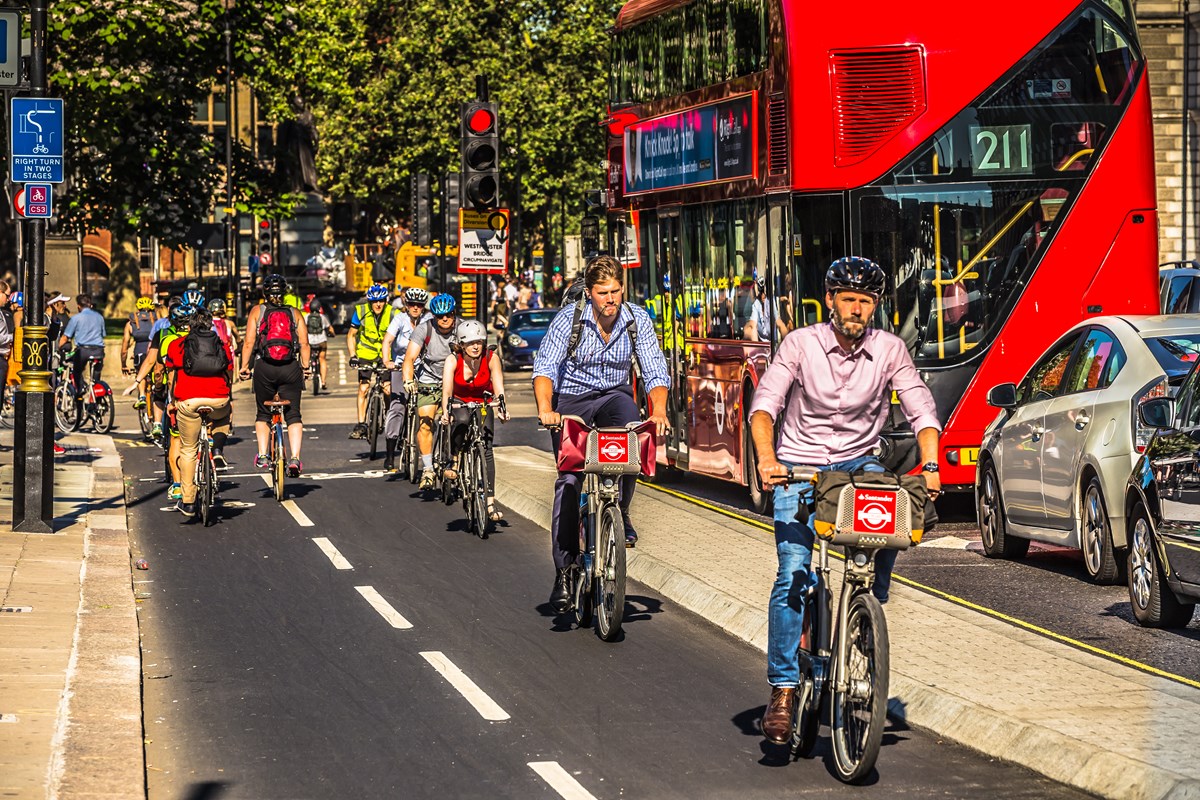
[[395, 342]]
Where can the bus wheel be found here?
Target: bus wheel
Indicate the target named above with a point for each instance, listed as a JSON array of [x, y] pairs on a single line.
[[760, 498]]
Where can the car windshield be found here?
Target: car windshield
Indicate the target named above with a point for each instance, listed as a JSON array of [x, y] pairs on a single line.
[[1175, 353], [522, 322]]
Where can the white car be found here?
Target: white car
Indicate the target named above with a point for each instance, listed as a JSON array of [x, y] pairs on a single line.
[[1054, 464]]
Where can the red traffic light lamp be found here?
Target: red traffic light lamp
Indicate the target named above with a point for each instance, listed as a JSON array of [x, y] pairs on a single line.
[[479, 147]]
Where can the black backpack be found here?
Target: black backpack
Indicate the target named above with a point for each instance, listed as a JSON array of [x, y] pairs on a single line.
[[315, 325], [204, 354]]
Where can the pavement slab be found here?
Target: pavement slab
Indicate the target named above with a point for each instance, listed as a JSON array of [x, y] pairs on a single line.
[[70, 674], [1074, 716]]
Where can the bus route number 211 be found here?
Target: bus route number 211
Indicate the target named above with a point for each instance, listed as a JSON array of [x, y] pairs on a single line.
[[1001, 150]]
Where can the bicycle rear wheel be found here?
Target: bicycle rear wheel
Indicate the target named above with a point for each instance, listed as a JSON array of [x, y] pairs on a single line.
[[316, 382], [860, 706], [106, 412], [610, 583], [374, 423], [147, 424], [204, 479], [277, 461]]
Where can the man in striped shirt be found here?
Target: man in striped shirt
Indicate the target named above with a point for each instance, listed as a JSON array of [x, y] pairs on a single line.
[[593, 382]]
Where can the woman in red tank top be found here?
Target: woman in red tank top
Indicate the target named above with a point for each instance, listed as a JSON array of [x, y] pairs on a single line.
[[474, 375]]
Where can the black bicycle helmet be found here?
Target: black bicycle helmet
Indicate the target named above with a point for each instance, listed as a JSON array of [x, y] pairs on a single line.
[[274, 285], [855, 274]]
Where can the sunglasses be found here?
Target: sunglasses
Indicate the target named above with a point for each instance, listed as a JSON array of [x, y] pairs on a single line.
[[415, 305], [443, 316]]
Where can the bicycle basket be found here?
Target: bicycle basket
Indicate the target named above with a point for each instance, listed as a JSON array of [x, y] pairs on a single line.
[[869, 509], [606, 451]]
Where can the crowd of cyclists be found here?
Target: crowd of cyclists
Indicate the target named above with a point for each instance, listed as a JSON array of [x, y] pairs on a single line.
[[818, 404]]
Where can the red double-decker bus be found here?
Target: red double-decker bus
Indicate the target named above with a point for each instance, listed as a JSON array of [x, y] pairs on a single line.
[[998, 164]]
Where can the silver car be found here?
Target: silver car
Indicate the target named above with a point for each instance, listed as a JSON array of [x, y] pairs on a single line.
[[1054, 463]]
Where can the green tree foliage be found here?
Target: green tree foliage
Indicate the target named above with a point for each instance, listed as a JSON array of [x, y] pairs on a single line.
[[131, 72], [384, 79]]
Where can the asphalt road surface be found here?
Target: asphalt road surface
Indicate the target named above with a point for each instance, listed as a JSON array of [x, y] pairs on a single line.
[[359, 642]]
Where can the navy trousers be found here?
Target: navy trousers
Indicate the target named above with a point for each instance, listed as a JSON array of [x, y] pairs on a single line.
[[609, 408]]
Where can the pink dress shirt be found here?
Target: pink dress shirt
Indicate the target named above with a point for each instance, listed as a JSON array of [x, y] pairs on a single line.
[[839, 401]]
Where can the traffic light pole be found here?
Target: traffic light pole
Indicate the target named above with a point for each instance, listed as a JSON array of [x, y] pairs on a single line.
[[481, 281], [33, 459]]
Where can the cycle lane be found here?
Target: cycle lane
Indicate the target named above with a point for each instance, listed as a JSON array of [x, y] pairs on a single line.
[[1076, 717]]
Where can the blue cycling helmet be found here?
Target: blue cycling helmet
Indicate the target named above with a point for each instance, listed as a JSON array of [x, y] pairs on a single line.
[[377, 293], [182, 314], [441, 305], [194, 297], [18, 299]]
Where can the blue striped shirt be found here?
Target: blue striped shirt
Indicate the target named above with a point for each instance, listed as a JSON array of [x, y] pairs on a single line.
[[596, 365]]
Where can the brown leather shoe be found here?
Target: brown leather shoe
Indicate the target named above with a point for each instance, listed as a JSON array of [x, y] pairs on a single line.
[[777, 722]]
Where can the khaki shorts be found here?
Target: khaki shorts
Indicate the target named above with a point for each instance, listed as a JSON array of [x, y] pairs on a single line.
[[429, 394]]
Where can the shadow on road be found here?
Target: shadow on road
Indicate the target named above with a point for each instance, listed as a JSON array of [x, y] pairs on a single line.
[[208, 790]]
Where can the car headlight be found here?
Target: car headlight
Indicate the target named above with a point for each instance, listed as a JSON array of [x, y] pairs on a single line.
[[516, 341]]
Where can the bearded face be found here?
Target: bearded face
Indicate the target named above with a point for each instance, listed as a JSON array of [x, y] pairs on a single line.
[[850, 313]]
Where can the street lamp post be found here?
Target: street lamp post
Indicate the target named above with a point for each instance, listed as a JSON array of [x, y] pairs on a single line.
[[33, 465]]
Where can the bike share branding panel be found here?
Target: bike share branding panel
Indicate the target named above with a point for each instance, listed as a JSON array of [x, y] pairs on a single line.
[[875, 511], [612, 448], [36, 140]]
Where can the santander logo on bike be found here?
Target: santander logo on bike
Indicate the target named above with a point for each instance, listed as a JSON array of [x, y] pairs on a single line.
[[613, 448], [875, 511]]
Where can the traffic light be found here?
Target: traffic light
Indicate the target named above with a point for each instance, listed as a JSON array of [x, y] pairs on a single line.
[[266, 235], [422, 209], [480, 150], [451, 202]]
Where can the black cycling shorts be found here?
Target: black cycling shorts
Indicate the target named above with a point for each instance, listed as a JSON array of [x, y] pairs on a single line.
[[287, 380]]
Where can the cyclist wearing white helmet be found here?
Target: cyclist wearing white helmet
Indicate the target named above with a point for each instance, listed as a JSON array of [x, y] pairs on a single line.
[[474, 375], [395, 342]]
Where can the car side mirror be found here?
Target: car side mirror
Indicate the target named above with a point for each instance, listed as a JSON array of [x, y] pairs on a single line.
[[1158, 412], [1003, 396]]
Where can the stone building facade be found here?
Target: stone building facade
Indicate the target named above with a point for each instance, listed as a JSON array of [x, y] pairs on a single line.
[[1170, 36]]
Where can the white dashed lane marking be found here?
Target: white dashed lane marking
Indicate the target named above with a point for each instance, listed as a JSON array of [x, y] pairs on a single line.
[[332, 552], [486, 706], [384, 608], [560, 780]]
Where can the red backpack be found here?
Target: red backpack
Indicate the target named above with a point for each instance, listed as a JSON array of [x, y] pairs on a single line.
[[277, 339]]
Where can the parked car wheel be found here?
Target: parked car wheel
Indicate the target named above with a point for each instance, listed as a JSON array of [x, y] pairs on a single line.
[[1099, 555], [997, 542], [1154, 604]]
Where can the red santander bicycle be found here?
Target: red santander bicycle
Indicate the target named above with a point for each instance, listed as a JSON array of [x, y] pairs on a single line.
[[603, 455]]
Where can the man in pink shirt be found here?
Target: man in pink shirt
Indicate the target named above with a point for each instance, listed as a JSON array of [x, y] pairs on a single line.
[[840, 376]]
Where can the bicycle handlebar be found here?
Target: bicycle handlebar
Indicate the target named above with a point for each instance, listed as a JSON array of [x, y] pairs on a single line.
[[374, 366]]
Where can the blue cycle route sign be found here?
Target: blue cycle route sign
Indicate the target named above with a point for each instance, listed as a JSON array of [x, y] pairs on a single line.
[[36, 140]]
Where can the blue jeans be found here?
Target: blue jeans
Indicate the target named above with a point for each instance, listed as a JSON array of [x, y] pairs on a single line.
[[794, 545]]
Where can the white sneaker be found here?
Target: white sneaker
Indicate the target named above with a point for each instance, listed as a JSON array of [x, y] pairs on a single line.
[[427, 479]]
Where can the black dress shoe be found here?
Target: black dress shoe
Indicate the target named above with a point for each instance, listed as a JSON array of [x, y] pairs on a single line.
[[560, 596], [630, 533]]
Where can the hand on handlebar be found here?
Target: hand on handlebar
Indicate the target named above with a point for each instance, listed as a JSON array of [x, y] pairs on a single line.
[[933, 483], [661, 425], [772, 473], [410, 387], [550, 419]]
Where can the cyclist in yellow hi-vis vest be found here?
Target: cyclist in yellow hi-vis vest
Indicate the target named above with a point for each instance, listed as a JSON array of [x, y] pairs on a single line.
[[667, 313], [365, 342]]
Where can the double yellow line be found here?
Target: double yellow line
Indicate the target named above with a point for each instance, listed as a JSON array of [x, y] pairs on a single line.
[[991, 612]]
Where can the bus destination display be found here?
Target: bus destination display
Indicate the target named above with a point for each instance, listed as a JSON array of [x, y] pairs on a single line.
[[706, 144]]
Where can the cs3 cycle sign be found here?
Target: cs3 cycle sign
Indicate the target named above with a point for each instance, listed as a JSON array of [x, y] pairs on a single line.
[[706, 144]]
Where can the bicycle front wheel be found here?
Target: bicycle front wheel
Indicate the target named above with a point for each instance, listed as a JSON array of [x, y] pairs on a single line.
[[610, 583], [277, 462], [106, 412], [144, 420], [861, 696], [412, 447], [66, 414], [374, 404], [479, 490]]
